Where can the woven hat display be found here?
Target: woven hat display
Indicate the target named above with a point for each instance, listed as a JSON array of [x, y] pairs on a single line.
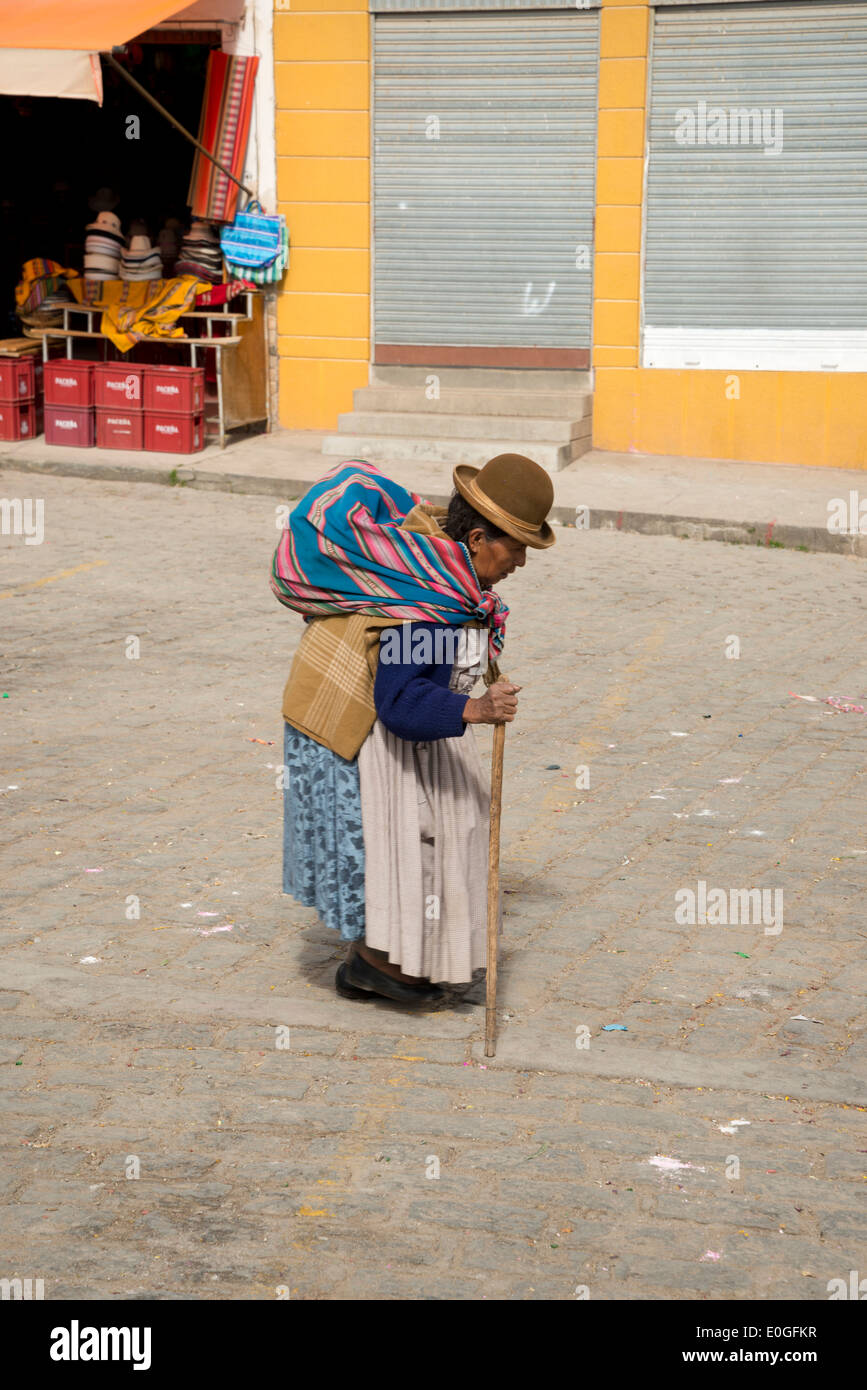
[[103, 244], [200, 253], [106, 221], [101, 264], [97, 263], [141, 261], [203, 231]]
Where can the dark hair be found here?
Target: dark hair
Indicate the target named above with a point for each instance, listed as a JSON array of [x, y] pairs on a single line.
[[463, 518]]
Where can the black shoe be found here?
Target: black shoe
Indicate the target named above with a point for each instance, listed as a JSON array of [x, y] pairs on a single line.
[[347, 990], [365, 980]]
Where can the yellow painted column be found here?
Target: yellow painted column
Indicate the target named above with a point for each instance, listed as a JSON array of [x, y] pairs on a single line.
[[624, 35], [322, 81]]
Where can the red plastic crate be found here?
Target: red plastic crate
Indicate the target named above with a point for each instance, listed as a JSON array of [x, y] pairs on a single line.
[[173, 434], [21, 420], [68, 383], [119, 429], [20, 378], [174, 390], [69, 424], [118, 386]]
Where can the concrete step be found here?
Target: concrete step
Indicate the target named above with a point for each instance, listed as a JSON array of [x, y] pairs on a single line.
[[573, 404], [406, 423], [486, 378], [387, 449]]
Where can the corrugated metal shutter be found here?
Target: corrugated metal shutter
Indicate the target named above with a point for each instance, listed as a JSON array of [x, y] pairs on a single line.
[[483, 235], [394, 6], [665, 4], [737, 239]]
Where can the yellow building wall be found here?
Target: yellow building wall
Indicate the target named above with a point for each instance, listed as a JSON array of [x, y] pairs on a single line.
[[766, 417], [322, 77], [322, 81]]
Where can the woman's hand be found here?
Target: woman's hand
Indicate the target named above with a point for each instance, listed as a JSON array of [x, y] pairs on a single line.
[[498, 705]]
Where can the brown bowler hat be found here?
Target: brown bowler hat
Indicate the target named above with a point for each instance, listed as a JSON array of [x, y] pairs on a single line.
[[514, 493]]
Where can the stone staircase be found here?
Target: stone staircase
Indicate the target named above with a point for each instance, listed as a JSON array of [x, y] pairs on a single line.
[[451, 415]]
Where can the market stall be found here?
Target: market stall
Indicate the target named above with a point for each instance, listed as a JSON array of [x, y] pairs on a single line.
[[132, 242]]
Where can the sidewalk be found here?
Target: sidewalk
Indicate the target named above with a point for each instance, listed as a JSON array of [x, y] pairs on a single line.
[[703, 499]]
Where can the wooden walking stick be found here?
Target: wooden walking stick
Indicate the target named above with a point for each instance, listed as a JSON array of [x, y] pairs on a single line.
[[494, 879]]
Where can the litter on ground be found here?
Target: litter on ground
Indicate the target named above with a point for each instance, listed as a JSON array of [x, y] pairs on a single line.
[[671, 1165]]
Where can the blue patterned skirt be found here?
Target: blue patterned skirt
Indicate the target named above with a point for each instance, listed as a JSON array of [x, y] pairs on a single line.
[[323, 840]]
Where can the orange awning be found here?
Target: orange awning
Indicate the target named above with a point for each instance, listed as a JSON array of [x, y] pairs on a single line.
[[91, 26]]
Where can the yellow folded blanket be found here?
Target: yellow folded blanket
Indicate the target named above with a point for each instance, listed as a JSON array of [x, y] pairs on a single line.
[[136, 310]]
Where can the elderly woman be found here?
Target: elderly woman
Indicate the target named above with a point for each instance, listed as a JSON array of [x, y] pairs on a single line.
[[386, 806]]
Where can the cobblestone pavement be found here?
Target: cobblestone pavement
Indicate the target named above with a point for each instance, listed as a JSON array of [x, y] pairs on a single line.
[[716, 1149]]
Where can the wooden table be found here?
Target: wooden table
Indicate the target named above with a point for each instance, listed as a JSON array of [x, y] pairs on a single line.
[[239, 402]]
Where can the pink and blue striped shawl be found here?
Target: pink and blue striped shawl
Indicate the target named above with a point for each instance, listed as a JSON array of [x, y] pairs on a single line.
[[343, 551]]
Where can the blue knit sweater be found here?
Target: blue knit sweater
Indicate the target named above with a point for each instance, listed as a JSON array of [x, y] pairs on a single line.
[[412, 698]]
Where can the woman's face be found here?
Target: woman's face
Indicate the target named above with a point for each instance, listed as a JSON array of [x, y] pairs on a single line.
[[494, 560]]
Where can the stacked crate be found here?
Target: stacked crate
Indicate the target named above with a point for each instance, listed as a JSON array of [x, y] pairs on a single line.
[[118, 400], [174, 404], [20, 397], [117, 405], [69, 403]]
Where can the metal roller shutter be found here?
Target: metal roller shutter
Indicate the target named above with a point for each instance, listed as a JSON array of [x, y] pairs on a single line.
[[484, 156], [394, 6], [755, 259]]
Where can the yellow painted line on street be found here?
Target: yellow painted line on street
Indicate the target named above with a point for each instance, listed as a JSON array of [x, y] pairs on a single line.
[[51, 578], [617, 697], [608, 710]]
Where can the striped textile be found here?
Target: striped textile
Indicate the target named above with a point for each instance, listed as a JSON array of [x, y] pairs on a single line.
[[40, 279], [270, 274], [223, 129], [221, 294], [137, 310], [344, 550]]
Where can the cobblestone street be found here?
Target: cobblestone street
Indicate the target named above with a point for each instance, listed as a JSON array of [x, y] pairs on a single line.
[[188, 1108]]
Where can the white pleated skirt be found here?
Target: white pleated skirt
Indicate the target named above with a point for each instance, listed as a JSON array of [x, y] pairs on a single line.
[[425, 811]]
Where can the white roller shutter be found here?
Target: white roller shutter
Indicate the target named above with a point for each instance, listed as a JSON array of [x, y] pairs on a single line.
[[756, 225]]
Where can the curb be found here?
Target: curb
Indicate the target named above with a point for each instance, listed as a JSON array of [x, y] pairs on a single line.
[[816, 539], [761, 533]]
